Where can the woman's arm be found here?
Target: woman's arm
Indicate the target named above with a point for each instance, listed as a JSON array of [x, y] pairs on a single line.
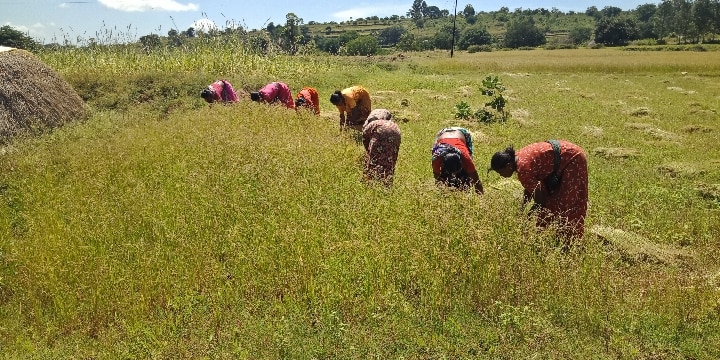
[[366, 135], [343, 121], [476, 181], [540, 195]]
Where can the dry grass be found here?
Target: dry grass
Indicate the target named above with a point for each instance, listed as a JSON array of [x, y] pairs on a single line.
[[622, 153], [33, 97], [635, 248]]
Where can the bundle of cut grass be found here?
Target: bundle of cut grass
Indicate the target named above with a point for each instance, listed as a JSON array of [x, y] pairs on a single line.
[[33, 97]]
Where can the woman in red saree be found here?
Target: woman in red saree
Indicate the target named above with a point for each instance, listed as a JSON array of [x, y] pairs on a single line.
[[561, 200]]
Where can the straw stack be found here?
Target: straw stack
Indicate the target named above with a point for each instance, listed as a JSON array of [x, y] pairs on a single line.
[[33, 97]]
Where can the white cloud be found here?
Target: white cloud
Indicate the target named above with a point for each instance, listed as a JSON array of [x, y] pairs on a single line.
[[146, 5], [363, 12], [204, 25], [37, 31], [24, 28]]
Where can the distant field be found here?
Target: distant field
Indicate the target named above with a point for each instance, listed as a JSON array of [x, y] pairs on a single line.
[[165, 228]]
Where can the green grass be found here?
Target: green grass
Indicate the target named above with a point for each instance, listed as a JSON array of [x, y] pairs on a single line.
[[165, 228]]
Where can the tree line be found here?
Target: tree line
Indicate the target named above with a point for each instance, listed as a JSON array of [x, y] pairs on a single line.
[[426, 27]]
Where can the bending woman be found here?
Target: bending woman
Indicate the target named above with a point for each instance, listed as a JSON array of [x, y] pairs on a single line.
[[274, 93], [308, 97], [381, 137], [561, 199], [452, 161], [219, 91], [354, 105]]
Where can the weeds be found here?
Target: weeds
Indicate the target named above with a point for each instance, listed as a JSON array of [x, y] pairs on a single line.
[[493, 110]]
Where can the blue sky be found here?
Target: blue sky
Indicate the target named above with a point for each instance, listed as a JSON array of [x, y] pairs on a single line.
[[50, 21]]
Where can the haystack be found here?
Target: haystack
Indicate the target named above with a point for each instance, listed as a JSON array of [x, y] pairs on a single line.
[[33, 97]]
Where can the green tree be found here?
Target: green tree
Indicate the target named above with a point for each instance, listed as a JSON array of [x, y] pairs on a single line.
[[580, 34], [417, 10], [328, 44], [291, 33], [645, 12], [347, 36], [615, 31], [523, 32], [362, 46], [408, 43], [663, 19], [716, 20], [390, 36], [14, 38], [433, 12], [474, 35], [442, 40], [703, 16], [682, 19], [610, 11], [593, 12], [644, 15], [468, 11], [174, 38], [150, 42]]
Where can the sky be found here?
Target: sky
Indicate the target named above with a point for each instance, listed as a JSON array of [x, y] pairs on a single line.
[[110, 21]]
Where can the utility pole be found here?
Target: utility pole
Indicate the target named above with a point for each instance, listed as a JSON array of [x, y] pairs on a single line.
[[452, 42]]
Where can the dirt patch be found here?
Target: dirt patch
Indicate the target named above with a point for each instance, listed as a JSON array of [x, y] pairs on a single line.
[[708, 191], [385, 92], [430, 94], [522, 116], [641, 111], [634, 248], [676, 170], [653, 131], [517, 74], [405, 116], [681, 90], [465, 91], [615, 153], [592, 130], [697, 129]]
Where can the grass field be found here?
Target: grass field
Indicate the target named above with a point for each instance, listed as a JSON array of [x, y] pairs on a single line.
[[165, 228]]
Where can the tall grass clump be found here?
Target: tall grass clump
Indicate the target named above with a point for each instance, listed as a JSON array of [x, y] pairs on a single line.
[[245, 231]]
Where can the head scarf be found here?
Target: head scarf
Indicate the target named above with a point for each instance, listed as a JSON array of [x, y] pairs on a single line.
[[441, 150], [378, 114]]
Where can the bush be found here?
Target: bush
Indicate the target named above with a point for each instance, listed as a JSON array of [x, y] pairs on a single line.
[[493, 110], [363, 46], [479, 48], [559, 46]]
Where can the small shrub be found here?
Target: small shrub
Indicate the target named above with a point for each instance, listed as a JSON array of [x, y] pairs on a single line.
[[463, 111], [479, 48], [484, 115], [494, 88], [493, 110]]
